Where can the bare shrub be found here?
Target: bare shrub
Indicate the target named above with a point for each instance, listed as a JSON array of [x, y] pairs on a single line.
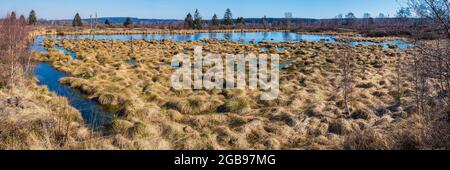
[[431, 68], [15, 61], [347, 72]]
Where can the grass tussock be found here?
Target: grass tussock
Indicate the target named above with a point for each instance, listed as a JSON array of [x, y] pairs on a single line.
[[193, 105], [310, 112], [368, 140], [33, 118], [237, 105]]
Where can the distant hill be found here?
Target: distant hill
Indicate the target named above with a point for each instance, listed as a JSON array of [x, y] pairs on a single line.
[[134, 20], [114, 20]]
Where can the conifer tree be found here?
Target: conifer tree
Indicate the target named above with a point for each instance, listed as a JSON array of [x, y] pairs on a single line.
[[32, 19], [240, 21], [22, 20], [77, 22], [13, 15], [228, 17], [128, 22], [215, 21], [197, 20], [189, 21], [107, 22]]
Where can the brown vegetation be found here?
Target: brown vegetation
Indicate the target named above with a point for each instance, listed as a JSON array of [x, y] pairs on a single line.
[[310, 113]]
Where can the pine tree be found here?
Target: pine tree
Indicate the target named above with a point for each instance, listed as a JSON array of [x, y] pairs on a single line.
[[13, 15], [32, 19], [197, 20], [228, 17], [22, 20], [215, 21], [240, 21], [107, 22], [189, 21], [77, 21], [127, 22]]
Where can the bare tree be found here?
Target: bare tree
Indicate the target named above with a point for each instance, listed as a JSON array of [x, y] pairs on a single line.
[[398, 71], [339, 19], [347, 70], [350, 18], [264, 22], [288, 18], [437, 11], [367, 21], [431, 68], [14, 56], [435, 54]]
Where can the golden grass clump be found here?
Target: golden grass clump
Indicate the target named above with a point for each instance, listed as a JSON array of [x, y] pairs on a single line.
[[138, 130], [193, 105], [308, 114], [237, 105], [120, 126], [369, 139], [108, 99]]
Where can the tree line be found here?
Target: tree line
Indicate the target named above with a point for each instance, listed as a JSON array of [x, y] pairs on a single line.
[[78, 21], [381, 24], [196, 22], [31, 20]]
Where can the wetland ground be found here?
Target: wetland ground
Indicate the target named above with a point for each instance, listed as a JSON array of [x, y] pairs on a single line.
[[132, 79]]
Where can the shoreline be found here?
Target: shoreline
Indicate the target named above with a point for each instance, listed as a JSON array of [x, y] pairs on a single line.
[[50, 32], [339, 36]]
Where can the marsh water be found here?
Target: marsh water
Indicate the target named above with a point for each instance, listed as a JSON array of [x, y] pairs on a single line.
[[242, 37], [92, 113], [97, 116]]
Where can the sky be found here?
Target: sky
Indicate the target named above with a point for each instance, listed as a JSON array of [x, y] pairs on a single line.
[[177, 9]]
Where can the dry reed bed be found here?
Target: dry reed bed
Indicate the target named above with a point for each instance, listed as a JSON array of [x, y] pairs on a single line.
[[366, 39], [123, 31], [309, 113], [351, 34]]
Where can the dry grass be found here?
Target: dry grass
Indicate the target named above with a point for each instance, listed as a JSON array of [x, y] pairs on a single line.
[[309, 113], [33, 118]]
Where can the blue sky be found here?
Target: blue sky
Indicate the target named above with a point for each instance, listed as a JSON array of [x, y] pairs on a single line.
[[177, 9]]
